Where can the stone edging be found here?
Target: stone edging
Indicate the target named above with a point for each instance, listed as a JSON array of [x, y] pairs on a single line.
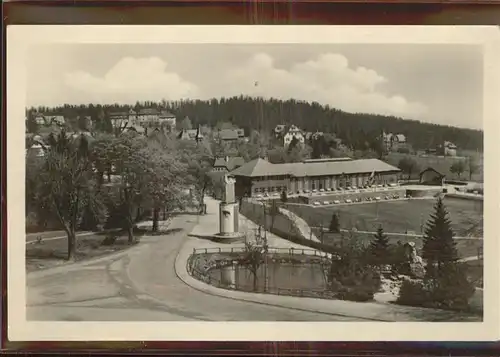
[[180, 268]]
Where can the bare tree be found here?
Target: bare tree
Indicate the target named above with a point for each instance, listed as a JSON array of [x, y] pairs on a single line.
[[253, 257]]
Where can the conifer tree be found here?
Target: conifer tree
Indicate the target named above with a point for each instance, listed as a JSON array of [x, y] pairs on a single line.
[[439, 248], [335, 224], [379, 248]]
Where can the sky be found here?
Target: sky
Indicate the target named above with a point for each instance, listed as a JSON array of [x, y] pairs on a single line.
[[436, 83]]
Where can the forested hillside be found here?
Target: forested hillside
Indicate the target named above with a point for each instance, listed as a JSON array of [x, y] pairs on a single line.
[[354, 129]]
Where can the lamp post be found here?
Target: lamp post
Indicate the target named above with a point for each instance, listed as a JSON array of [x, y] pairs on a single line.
[[265, 250]]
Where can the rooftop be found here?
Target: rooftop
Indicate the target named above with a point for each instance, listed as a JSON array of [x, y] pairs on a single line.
[[230, 162], [260, 167]]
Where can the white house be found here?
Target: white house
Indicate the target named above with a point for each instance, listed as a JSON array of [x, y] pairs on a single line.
[[393, 141], [450, 149], [291, 133]]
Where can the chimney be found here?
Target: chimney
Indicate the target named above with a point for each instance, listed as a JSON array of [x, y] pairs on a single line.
[[227, 158]]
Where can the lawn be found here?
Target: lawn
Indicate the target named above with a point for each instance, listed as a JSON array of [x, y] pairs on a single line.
[[49, 253], [394, 216]]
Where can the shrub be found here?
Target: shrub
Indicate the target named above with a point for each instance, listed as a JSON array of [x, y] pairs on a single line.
[[352, 278], [451, 290], [357, 287], [414, 293]]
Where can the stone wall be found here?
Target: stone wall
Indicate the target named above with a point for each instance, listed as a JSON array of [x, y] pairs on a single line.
[[283, 226]]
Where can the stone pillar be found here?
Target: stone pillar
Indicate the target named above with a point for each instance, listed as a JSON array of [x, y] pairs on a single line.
[[228, 211]]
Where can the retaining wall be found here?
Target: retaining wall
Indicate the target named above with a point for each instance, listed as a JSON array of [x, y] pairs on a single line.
[[283, 226]]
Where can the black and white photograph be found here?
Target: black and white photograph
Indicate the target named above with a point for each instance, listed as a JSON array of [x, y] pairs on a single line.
[[279, 182]]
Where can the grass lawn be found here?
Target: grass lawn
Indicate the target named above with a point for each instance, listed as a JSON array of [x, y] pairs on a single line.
[[395, 217], [50, 253]]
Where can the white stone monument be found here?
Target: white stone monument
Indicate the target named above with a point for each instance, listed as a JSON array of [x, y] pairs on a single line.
[[228, 213]]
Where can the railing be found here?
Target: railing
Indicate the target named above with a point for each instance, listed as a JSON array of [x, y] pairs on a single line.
[[206, 277], [270, 250]]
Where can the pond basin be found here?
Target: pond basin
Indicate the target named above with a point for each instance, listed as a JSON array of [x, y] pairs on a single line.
[[281, 277]]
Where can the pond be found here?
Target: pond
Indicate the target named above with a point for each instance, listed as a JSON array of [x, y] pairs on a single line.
[[281, 277]]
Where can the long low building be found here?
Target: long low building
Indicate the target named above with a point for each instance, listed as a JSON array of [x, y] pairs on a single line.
[[259, 175]]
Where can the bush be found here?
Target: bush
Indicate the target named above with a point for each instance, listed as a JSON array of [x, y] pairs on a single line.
[[451, 290], [357, 288], [413, 293], [352, 278]]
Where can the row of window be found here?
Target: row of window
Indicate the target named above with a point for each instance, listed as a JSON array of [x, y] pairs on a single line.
[[314, 185], [270, 189]]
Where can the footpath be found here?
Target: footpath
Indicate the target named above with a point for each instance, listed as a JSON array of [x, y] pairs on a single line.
[[368, 311]]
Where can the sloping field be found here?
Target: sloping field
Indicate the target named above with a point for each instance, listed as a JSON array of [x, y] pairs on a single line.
[[441, 164], [394, 216]]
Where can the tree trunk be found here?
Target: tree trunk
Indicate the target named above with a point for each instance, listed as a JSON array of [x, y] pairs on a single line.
[[138, 214], [130, 234], [255, 281], [156, 218], [71, 244]]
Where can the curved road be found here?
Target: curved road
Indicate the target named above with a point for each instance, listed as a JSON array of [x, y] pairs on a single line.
[[141, 285]]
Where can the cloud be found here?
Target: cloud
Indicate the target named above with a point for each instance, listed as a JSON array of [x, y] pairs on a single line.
[[131, 80], [328, 79]]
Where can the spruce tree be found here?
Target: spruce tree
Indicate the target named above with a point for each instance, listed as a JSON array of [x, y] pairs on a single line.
[[439, 248], [379, 248], [335, 224]]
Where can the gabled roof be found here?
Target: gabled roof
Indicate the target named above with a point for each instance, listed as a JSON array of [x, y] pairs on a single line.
[[148, 111], [137, 128], [433, 170], [261, 167], [231, 162], [254, 168], [227, 134]]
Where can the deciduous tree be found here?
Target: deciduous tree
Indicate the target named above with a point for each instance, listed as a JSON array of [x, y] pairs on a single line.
[[458, 167], [66, 183], [408, 166]]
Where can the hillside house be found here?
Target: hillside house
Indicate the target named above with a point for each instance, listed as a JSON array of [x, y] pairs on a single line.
[[119, 118], [191, 134], [167, 120], [49, 119], [450, 149], [288, 133], [147, 115], [393, 142], [229, 135]]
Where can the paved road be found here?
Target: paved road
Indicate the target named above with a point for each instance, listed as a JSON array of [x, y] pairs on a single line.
[[141, 285]]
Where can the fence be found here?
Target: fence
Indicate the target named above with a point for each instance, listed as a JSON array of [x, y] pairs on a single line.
[[205, 276], [270, 250]]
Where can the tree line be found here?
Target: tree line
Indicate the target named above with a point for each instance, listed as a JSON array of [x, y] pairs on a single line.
[[357, 130]]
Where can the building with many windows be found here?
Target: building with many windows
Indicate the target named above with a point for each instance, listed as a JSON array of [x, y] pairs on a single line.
[[259, 176]]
